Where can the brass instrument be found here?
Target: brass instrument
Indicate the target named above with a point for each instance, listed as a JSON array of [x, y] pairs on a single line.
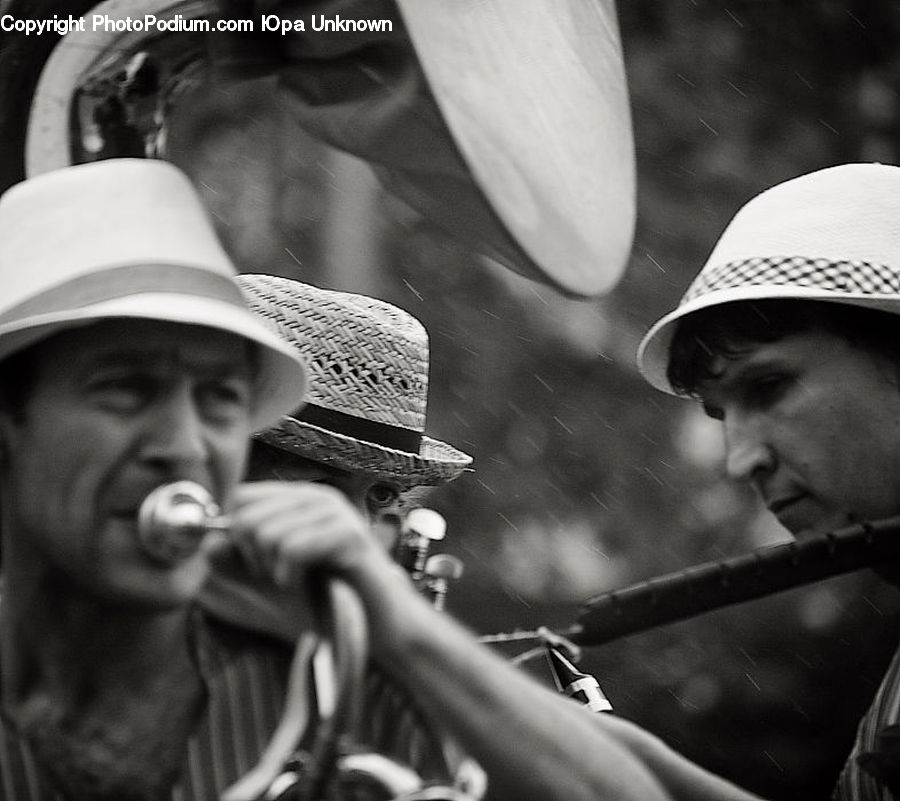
[[172, 522], [94, 94]]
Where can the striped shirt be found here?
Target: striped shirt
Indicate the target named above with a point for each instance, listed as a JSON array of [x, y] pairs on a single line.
[[855, 783], [246, 678]]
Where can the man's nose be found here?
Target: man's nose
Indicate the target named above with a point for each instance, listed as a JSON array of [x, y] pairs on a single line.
[[748, 452], [176, 433]]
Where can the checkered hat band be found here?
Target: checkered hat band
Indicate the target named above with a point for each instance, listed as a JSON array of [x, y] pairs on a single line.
[[825, 274]]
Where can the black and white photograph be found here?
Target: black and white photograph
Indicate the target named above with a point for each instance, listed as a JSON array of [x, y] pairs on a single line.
[[449, 400]]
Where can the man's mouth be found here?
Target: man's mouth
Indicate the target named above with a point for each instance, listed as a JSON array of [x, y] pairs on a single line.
[[777, 506], [799, 513], [793, 512]]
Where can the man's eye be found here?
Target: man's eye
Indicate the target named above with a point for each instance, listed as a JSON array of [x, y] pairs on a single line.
[[768, 389], [226, 397], [122, 393], [380, 496]]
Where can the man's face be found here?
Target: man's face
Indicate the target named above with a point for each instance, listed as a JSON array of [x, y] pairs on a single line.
[[116, 409], [813, 423]]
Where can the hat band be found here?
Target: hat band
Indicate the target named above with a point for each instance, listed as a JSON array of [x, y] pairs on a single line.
[[116, 282], [388, 436], [830, 275]]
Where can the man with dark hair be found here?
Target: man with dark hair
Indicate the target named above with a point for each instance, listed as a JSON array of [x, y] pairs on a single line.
[[789, 335], [727, 329]]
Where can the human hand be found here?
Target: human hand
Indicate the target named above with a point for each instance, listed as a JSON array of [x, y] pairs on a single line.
[[282, 529]]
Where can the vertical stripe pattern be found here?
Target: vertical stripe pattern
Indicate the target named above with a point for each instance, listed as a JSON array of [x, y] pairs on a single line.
[[246, 678], [854, 783]]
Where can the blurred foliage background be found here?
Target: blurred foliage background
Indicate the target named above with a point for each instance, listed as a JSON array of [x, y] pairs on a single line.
[[586, 479]]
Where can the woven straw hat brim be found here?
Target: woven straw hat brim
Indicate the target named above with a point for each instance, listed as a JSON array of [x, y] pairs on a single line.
[[653, 352], [437, 463], [366, 405]]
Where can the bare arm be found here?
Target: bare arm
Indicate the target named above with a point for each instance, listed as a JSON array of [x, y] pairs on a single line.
[[532, 742]]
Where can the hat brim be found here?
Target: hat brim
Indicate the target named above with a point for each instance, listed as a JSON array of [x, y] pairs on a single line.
[[653, 351], [436, 463], [281, 375]]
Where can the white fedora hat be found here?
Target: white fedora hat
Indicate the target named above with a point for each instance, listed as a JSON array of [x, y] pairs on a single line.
[[126, 238], [368, 382], [832, 235]]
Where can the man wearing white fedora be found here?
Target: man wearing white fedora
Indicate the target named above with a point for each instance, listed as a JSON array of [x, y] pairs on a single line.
[[788, 336], [129, 360]]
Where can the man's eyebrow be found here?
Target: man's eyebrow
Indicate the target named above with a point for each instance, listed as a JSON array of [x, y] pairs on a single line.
[[751, 369], [220, 365], [741, 376]]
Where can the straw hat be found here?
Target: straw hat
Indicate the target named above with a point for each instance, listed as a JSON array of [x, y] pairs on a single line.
[[126, 238], [368, 389], [831, 235]]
